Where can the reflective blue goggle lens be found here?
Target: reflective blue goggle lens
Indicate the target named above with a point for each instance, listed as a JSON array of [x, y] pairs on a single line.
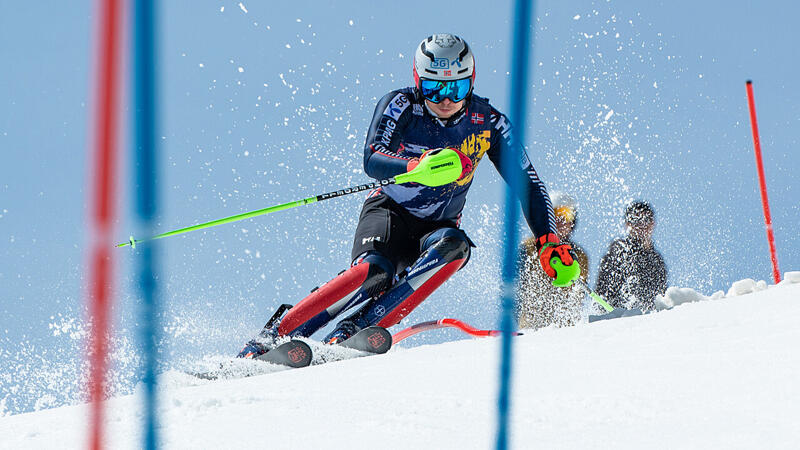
[[436, 91]]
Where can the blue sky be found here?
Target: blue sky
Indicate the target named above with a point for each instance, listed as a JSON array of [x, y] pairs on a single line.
[[266, 102]]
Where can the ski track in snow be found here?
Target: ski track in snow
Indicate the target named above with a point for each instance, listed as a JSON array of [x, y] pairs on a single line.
[[713, 372]]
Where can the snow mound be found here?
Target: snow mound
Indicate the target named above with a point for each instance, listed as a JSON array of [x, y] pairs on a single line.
[[677, 296], [791, 277]]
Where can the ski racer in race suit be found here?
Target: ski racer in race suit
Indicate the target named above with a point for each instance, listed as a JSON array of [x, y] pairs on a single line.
[[408, 240]]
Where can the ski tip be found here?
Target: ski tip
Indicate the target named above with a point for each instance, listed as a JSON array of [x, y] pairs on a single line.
[[372, 339], [379, 339], [300, 355], [294, 353]]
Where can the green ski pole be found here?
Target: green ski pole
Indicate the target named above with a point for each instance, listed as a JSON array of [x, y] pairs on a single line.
[[436, 169], [611, 312], [595, 296]]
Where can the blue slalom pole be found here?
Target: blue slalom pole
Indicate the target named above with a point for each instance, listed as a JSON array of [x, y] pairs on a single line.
[[145, 115], [523, 10]]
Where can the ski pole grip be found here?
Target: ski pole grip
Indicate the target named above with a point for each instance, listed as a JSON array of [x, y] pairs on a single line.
[[436, 169], [565, 275]]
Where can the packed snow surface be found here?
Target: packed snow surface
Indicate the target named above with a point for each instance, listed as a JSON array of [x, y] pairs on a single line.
[[703, 372]]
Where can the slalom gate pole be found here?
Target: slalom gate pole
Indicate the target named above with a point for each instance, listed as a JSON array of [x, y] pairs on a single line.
[[444, 323], [104, 151], [521, 38], [145, 121], [776, 274], [440, 168]]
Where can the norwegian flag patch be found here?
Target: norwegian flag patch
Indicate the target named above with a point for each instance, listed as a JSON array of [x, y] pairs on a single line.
[[476, 118]]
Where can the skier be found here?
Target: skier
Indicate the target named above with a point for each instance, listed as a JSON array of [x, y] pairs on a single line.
[[408, 240], [633, 272], [539, 303]]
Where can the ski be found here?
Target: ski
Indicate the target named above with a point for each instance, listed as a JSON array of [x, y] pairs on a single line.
[[616, 313], [372, 339], [611, 312], [294, 354]]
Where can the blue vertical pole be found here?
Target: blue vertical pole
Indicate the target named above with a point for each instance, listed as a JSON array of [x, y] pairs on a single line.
[[145, 194], [523, 10]]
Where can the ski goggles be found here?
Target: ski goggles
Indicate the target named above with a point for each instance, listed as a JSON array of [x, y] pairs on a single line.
[[565, 212], [436, 90]]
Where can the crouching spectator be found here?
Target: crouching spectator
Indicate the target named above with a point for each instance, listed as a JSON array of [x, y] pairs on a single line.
[[539, 303]]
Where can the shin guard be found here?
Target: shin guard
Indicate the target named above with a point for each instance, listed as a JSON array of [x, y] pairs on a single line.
[[369, 277], [441, 260]]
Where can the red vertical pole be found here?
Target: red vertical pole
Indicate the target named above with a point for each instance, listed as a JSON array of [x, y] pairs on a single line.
[[101, 210], [763, 183]]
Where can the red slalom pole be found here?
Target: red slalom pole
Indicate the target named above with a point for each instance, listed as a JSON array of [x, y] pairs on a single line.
[[443, 323], [776, 274], [101, 209]]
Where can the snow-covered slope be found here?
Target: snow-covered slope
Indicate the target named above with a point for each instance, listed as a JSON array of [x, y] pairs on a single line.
[[720, 373]]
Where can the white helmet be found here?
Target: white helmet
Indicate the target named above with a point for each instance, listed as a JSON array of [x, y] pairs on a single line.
[[443, 57]]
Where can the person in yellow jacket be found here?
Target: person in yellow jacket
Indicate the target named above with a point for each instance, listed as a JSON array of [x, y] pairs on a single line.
[[539, 303]]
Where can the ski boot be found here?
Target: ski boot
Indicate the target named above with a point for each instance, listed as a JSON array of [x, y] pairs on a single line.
[[267, 338], [343, 331]]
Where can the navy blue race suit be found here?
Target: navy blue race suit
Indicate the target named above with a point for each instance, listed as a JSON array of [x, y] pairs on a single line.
[[408, 241], [402, 129]]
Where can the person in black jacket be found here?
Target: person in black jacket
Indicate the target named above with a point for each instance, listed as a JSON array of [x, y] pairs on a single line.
[[633, 272]]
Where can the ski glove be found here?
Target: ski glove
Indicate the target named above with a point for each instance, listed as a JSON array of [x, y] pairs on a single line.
[[466, 163], [558, 260]]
